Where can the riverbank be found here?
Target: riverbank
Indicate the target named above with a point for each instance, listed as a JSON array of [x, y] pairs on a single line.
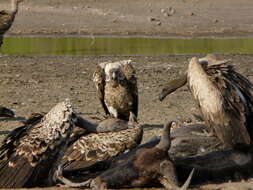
[[143, 17]]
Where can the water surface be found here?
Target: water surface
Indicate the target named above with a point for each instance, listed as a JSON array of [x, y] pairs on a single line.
[[123, 46]]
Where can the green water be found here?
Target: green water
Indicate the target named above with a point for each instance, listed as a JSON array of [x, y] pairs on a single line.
[[123, 46]]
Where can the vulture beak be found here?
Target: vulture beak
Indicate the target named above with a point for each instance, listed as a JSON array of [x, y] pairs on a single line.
[[172, 86], [114, 76]]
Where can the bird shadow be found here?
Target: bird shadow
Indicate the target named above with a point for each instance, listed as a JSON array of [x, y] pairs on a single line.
[[5, 132], [12, 119]]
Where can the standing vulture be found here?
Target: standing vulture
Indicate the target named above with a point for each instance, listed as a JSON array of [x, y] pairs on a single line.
[[7, 18], [224, 96], [116, 86], [30, 154]]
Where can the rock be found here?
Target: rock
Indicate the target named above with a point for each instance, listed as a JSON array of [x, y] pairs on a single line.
[[158, 23], [152, 19], [168, 12], [191, 14], [163, 11], [171, 11], [215, 20]]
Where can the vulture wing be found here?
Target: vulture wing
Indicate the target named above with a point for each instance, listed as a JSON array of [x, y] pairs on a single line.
[[130, 74], [237, 95], [30, 154], [99, 80], [100, 146]]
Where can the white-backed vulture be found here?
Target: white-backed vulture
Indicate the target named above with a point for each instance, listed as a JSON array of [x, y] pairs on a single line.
[[116, 85]]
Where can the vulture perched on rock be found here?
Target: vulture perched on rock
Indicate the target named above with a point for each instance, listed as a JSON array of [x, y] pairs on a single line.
[[224, 96], [30, 154], [7, 18], [116, 85]]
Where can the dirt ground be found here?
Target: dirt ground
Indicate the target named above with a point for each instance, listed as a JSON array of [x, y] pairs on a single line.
[[36, 84], [135, 17]]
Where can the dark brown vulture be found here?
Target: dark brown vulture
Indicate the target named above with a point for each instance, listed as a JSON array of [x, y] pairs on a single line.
[[112, 136], [7, 18], [30, 154], [224, 96], [116, 86], [143, 167]]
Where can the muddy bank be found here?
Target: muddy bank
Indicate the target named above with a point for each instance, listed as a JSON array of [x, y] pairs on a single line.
[[142, 17]]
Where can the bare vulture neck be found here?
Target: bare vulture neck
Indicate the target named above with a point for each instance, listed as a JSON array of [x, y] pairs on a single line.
[[164, 144], [14, 6]]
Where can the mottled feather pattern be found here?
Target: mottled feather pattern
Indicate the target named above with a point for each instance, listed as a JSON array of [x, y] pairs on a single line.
[[99, 81], [45, 136], [31, 153], [129, 70], [103, 145], [42, 137]]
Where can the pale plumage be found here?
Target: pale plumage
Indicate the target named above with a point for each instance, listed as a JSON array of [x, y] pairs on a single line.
[[224, 96], [30, 154], [116, 86]]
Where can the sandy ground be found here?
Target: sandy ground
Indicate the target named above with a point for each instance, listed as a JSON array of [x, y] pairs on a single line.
[[36, 84], [131, 17]]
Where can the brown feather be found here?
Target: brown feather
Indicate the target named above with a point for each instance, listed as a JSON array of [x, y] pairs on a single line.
[[119, 95], [225, 98], [27, 157], [99, 80], [96, 147]]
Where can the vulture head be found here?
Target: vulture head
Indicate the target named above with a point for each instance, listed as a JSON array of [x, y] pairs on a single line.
[[114, 75]]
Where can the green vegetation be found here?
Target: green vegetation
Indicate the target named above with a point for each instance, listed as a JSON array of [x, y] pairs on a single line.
[[123, 46]]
